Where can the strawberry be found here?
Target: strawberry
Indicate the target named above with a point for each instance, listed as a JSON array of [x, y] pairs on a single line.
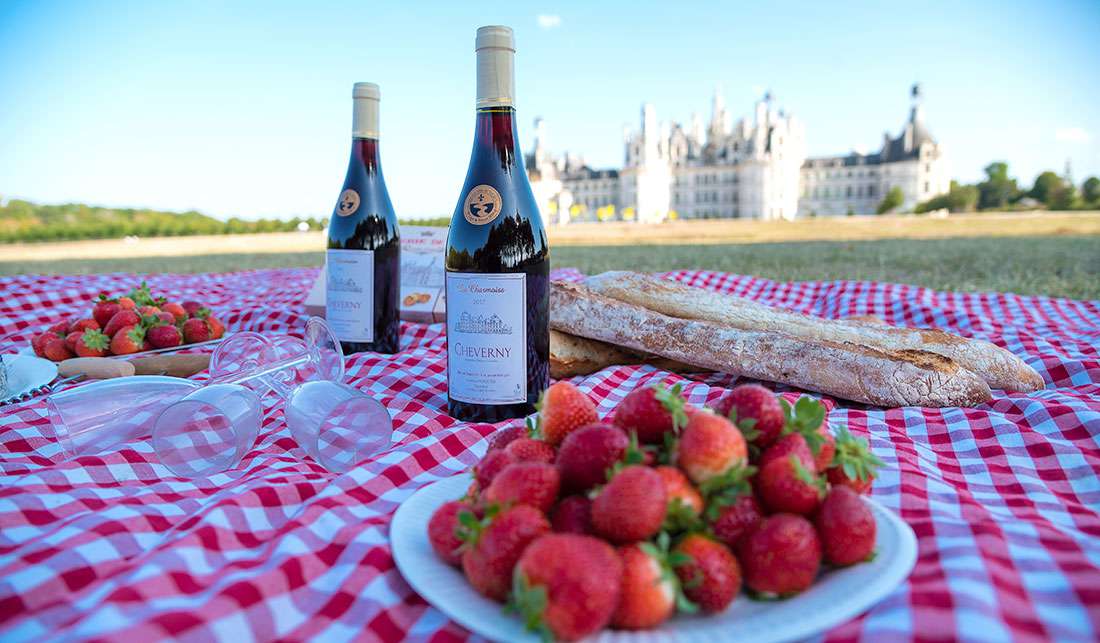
[[530, 483], [104, 310], [709, 446], [567, 586], [491, 464], [780, 556], [504, 437], [122, 319], [126, 303], [563, 409], [149, 311], [790, 443], [195, 330], [651, 412], [217, 329], [807, 418], [166, 318], [790, 484], [631, 506], [756, 411], [82, 325], [54, 349], [92, 343], [70, 340], [443, 531], [494, 544], [586, 455], [573, 515], [39, 340], [710, 576], [176, 311], [191, 307], [60, 328], [680, 490], [853, 465], [734, 520], [130, 339], [530, 450], [846, 527], [650, 589], [164, 336]]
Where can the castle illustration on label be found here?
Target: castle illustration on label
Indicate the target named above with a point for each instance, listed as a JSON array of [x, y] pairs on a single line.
[[493, 325]]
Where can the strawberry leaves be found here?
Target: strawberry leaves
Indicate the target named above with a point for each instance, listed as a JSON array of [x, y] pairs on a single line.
[[854, 457], [808, 477], [805, 418], [673, 401], [470, 526], [723, 490], [668, 561], [529, 602]]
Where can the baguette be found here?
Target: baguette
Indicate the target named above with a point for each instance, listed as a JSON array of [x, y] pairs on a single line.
[[571, 355], [997, 366], [842, 369]]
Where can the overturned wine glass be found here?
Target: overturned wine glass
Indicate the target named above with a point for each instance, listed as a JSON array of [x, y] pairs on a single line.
[[337, 425]]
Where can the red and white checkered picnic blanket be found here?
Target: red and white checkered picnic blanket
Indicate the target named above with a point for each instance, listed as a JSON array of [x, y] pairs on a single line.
[[1004, 498]]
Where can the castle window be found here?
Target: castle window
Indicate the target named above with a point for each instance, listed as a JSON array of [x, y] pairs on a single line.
[[926, 187], [848, 191]]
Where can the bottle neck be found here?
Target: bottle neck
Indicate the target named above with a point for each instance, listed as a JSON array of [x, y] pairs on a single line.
[[496, 132], [364, 118], [496, 77], [364, 151]]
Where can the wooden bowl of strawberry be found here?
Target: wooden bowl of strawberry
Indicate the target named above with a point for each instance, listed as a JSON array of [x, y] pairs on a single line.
[[126, 324], [579, 524]]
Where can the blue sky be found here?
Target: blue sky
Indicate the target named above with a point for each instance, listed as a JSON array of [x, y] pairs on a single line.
[[243, 108]]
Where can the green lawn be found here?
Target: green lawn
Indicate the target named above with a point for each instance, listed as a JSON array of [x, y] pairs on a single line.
[[1065, 266]]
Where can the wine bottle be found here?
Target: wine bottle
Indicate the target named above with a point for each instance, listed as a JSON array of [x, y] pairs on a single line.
[[498, 260], [364, 245]]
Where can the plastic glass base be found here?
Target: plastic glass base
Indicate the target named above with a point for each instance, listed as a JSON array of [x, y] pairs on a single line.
[[208, 431], [336, 424]]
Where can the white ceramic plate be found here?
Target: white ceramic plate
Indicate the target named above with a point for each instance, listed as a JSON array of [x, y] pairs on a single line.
[[837, 595], [26, 373]]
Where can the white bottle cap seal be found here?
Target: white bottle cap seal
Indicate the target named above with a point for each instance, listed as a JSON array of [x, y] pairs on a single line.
[[496, 78], [364, 120]]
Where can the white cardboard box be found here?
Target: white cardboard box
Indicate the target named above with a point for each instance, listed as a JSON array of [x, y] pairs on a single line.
[[422, 285]]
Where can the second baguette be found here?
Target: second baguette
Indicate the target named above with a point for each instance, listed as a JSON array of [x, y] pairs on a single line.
[[842, 369]]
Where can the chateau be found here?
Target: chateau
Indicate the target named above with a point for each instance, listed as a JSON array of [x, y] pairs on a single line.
[[755, 168]]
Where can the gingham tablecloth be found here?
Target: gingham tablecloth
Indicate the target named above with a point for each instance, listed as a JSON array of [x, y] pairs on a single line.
[[1004, 498]]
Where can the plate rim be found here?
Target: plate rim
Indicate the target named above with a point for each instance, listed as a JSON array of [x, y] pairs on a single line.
[[405, 554]]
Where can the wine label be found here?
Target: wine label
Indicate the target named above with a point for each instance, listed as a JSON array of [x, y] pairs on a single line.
[[348, 203], [487, 337], [349, 295], [482, 205]]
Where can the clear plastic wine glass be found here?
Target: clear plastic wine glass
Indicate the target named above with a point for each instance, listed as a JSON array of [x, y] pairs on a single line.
[[102, 415], [281, 364], [207, 431], [336, 424]]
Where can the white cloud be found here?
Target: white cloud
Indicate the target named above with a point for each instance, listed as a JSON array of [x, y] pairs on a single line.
[[1071, 134], [549, 21]]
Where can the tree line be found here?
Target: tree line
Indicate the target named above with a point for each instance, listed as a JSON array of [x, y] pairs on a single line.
[[26, 221], [999, 191]]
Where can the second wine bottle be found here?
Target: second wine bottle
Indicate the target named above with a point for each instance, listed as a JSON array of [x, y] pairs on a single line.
[[364, 245]]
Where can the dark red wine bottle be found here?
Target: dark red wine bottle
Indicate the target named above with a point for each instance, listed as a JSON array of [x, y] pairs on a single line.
[[498, 260], [364, 244]]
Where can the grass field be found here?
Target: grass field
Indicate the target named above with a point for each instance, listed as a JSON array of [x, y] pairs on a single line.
[[1053, 254]]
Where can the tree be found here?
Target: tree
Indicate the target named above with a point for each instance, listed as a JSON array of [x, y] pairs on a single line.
[[1047, 185], [998, 190], [893, 199], [960, 198], [1090, 191]]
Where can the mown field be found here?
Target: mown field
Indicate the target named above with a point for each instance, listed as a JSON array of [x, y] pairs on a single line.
[[1053, 254]]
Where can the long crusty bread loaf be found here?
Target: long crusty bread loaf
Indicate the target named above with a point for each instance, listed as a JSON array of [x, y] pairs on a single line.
[[1000, 368], [842, 369], [571, 355]]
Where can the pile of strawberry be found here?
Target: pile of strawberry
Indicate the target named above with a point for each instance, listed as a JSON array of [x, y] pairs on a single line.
[[136, 321], [580, 524]]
